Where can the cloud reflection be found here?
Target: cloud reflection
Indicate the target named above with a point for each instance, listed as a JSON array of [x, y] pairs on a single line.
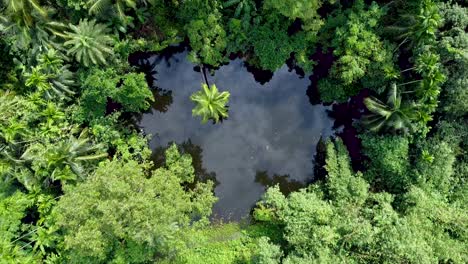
[[271, 127]]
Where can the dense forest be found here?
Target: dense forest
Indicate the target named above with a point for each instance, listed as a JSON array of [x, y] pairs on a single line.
[[77, 182]]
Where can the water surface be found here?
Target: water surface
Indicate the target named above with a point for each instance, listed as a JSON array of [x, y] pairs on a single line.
[[270, 136]]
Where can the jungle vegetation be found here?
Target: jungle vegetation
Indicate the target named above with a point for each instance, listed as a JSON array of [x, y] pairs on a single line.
[[77, 184]]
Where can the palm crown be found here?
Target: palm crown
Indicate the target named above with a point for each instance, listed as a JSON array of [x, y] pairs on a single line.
[[394, 115], [210, 103], [73, 152], [89, 42], [22, 12]]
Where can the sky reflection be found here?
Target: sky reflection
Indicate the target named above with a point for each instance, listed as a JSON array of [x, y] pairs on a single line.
[[272, 128]]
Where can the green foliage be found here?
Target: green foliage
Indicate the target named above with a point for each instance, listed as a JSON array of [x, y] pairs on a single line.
[[361, 55], [419, 28], [58, 204], [453, 47], [89, 43], [210, 103], [306, 10], [394, 115], [244, 9], [389, 165], [27, 26], [24, 12], [271, 45], [197, 9], [207, 39], [268, 253], [456, 95], [12, 211], [341, 184], [218, 243], [120, 215], [130, 89], [51, 77], [342, 220], [61, 160], [122, 14]]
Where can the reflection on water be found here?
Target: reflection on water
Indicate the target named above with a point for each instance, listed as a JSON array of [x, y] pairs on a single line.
[[284, 182], [272, 129]]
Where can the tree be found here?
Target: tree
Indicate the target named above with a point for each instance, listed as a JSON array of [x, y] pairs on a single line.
[[267, 253], [13, 208], [388, 165], [51, 76], [421, 28], [27, 26], [89, 43], [210, 103], [395, 115], [343, 220], [130, 90], [207, 39], [363, 59], [243, 8], [114, 8], [306, 10], [63, 160], [452, 47], [22, 12], [121, 215]]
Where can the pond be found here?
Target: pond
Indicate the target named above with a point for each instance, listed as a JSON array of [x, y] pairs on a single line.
[[270, 136]]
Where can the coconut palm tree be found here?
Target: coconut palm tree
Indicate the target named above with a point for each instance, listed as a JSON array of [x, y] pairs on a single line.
[[89, 42], [210, 103], [394, 115]]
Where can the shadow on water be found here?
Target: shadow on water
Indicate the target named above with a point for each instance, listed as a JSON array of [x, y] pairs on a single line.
[[270, 137], [345, 115], [196, 152], [324, 62], [285, 183]]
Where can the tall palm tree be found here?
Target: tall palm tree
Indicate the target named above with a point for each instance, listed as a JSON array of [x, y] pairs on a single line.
[[394, 115], [210, 103], [89, 42]]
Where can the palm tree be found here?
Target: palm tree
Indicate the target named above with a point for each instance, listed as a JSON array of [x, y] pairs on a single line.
[[210, 103], [22, 12], [51, 77], [419, 28], [118, 7], [73, 153], [28, 23], [244, 8], [394, 115], [89, 42]]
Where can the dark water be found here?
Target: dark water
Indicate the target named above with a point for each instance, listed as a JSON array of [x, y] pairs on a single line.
[[270, 136]]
